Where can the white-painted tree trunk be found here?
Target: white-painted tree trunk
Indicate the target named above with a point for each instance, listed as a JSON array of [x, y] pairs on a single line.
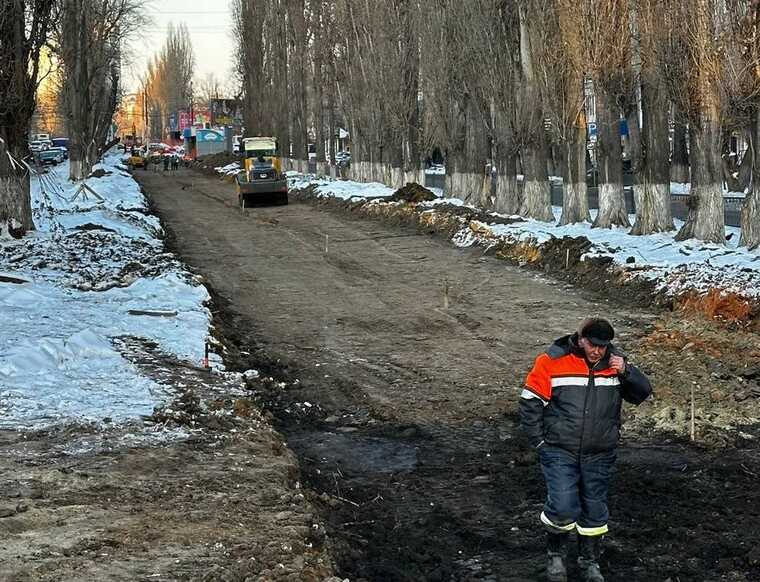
[[537, 200], [574, 190], [706, 220], [612, 211], [465, 186], [649, 156], [416, 176], [653, 212], [507, 194], [575, 203], [15, 206]]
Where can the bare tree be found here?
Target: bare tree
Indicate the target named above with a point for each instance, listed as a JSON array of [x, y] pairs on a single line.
[[91, 37], [608, 58], [457, 112], [697, 88], [529, 113], [493, 35], [24, 27], [321, 65], [562, 71], [743, 79], [207, 89], [298, 78], [168, 82], [649, 99], [249, 19]]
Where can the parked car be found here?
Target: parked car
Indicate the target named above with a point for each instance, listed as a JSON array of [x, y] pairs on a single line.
[[60, 142], [63, 151], [35, 146], [49, 156]]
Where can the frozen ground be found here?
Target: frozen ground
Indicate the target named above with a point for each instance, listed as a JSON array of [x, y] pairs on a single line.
[[95, 271], [675, 266]]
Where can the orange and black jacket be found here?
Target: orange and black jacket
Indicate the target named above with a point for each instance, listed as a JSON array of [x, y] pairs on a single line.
[[571, 404]]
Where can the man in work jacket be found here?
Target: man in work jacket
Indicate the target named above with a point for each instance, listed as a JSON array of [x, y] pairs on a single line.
[[570, 411]]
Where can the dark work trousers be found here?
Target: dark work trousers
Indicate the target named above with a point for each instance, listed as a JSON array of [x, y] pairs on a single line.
[[576, 490]]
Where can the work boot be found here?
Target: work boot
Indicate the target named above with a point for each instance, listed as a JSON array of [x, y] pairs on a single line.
[[589, 550], [556, 553]]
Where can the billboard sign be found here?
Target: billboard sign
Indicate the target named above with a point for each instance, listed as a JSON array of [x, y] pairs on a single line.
[[226, 112], [184, 120]]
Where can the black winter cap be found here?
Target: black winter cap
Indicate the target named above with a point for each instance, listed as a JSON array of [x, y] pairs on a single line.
[[598, 331]]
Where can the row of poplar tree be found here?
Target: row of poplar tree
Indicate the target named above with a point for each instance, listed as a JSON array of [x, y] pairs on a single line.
[[502, 82]]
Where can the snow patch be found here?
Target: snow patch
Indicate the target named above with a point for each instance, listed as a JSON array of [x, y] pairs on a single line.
[[58, 359]]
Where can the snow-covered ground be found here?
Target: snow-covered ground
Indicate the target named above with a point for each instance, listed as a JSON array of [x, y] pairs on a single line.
[[232, 169], [342, 189], [675, 266], [92, 269]]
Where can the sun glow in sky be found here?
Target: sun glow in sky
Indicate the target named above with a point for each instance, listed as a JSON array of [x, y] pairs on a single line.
[[209, 22]]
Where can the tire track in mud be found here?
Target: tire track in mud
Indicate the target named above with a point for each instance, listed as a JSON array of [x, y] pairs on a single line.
[[409, 438]]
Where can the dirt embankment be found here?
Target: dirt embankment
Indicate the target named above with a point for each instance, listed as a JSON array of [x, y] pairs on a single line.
[[207, 164]]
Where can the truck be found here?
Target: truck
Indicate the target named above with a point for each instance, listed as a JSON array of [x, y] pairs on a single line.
[[262, 175], [131, 141]]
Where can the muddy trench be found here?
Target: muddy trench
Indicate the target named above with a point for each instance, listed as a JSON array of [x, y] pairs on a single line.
[[403, 415]]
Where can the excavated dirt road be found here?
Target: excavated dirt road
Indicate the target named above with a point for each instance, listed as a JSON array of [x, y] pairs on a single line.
[[401, 359]]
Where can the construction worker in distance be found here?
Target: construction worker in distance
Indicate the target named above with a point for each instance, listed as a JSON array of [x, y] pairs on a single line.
[[570, 411]]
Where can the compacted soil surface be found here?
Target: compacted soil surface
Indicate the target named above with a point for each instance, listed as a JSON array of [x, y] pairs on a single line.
[[391, 362]]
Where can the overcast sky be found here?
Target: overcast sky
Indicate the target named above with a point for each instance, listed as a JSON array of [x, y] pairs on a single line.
[[209, 23]]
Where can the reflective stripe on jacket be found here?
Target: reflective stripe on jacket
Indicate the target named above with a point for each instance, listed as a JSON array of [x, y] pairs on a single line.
[[568, 404]]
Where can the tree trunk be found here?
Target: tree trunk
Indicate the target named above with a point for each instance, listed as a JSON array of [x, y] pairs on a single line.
[[507, 198], [574, 190], [679, 166], [467, 157], [750, 221], [706, 219], [23, 32], [15, 199], [652, 171], [612, 211], [633, 142], [745, 167], [507, 188], [280, 89], [319, 117], [332, 126], [537, 192], [535, 149]]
